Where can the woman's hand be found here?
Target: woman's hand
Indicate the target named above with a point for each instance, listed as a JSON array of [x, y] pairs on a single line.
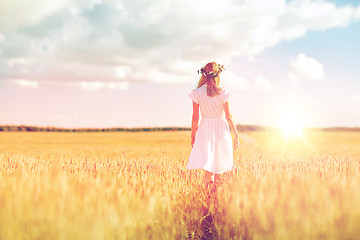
[[232, 125], [236, 142], [192, 140], [195, 121]]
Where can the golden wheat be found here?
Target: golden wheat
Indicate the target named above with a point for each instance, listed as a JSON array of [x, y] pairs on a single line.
[[135, 186]]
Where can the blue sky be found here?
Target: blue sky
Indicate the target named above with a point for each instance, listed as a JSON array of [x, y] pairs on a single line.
[[132, 63]]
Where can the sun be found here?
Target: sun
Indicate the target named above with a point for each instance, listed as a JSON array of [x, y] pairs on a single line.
[[291, 125]]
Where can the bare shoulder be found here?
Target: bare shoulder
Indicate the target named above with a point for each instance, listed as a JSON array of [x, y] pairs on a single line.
[[199, 88], [224, 90]]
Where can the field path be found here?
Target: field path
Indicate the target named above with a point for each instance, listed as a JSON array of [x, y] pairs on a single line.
[[246, 138]]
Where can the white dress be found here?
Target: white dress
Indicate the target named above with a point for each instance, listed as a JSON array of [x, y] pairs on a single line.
[[212, 150]]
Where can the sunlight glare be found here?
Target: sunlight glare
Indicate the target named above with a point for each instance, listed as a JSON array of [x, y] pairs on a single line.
[[291, 125]]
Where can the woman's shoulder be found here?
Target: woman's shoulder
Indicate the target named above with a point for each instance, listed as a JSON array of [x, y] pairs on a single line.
[[200, 89], [224, 90]]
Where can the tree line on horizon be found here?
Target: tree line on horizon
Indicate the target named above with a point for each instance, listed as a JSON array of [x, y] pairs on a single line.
[[240, 128], [25, 128]]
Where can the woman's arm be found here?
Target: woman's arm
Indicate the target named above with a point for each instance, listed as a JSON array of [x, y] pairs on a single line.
[[195, 121], [231, 123]]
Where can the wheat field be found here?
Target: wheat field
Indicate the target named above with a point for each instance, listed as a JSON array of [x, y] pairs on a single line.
[[135, 186]]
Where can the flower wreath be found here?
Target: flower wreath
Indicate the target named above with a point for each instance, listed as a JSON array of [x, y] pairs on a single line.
[[211, 73]]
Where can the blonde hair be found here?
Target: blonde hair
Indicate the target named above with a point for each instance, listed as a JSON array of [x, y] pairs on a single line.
[[210, 76]]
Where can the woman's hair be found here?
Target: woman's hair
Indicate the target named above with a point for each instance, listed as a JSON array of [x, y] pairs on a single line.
[[210, 75]]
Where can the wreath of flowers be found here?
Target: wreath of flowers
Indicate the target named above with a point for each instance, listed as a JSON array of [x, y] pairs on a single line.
[[212, 74]]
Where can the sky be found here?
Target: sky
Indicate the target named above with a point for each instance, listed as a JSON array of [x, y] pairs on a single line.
[[132, 63]]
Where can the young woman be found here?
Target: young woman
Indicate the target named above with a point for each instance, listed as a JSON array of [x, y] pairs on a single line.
[[211, 140]]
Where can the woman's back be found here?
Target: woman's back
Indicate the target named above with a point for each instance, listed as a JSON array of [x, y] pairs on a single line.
[[210, 107]]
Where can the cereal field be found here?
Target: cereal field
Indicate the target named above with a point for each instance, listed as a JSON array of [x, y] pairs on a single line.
[[135, 186]]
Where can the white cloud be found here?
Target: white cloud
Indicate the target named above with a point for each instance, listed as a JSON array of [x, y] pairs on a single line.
[[2, 37], [356, 98], [322, 14], [96, 85], [303, 67], [14, 14], [230, 80], [17, 13], [122, 71], [18, 61], [263, 84], [357, 13], [24, 83], [156, 41]]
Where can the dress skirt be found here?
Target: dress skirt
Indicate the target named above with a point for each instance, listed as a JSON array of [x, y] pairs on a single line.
[[212, 150]]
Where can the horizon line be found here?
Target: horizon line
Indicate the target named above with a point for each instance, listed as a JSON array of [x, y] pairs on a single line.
[[239, 125]]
